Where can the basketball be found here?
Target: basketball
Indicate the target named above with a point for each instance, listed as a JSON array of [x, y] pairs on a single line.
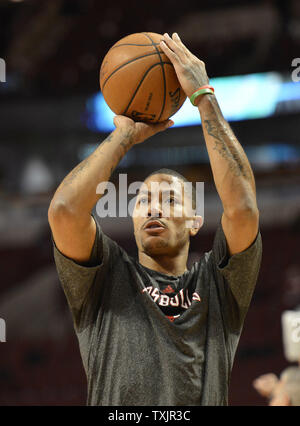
[[138, 80]]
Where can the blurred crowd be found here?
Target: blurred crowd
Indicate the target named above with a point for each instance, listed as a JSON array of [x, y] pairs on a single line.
[[284, 390]]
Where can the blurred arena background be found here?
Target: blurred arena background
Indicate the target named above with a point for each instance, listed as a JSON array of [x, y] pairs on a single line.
[[53, 50]]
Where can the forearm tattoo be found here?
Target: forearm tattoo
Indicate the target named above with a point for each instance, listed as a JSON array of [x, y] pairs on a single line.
[[107, 140], [225, 146], [126, 143], [74, 173]]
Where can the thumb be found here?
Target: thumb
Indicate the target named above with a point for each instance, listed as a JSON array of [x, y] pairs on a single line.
[[117, 120], [146, 130], [164, 125]]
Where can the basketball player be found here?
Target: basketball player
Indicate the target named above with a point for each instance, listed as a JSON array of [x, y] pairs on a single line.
[[150, 331]]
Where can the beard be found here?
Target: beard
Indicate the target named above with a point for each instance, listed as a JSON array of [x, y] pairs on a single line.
[[154, 246], [166, 245]]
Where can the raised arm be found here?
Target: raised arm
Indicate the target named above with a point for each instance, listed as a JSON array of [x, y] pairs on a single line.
[[69, 214], [231, 169]]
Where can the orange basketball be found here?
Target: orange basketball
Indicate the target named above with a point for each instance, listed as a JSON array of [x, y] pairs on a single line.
[[138, 80]]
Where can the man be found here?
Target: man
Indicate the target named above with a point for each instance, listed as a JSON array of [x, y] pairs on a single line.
[[150, 331]]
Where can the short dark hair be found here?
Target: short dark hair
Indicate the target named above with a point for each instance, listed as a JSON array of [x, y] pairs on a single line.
[[171, 172]]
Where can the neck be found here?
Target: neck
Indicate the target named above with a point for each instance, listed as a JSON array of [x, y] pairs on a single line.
[[175, 265]]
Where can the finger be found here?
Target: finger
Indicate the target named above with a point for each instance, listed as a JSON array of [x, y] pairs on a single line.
[[177, 39], [116, 120], [170, 54], [168, 123], [173, 45], [185, 50]]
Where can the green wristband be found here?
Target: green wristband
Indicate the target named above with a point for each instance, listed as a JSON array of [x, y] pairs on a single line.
[[200, 92]]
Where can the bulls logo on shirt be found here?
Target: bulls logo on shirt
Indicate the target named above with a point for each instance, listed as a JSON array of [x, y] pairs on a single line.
[[180, 300]]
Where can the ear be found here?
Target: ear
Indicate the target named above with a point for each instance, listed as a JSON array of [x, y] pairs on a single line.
[[196, 224]]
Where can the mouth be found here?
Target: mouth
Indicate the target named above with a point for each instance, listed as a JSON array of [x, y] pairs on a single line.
[[154, 227]]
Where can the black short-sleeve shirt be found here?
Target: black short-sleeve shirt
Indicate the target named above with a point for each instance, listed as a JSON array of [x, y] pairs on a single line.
[[148, 338]]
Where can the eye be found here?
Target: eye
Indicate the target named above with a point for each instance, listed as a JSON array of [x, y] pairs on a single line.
[[171, 200], [143, 200]]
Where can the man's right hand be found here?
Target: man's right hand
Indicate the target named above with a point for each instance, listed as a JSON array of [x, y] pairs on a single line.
[[138, 132]]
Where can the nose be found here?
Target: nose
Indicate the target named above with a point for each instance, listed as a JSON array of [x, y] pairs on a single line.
[[154, 209]]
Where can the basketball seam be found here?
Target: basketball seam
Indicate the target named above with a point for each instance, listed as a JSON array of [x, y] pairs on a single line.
[[163, 71], [132, 44], [126, 63], [141, 81]]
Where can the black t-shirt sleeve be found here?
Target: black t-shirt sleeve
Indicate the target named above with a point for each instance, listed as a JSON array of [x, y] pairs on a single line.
[[78, 279], [235, 277]]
